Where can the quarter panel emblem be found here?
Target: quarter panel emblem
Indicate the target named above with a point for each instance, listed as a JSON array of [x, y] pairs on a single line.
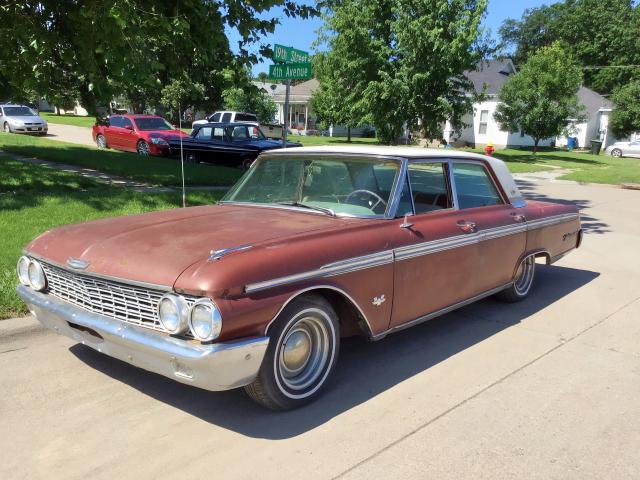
[[77, 263], [377, 301]]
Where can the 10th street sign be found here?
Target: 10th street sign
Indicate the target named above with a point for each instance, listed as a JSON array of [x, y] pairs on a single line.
[[289, 54], [292, 71]]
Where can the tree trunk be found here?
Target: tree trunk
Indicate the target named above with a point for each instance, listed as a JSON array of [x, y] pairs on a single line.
[[535, 145], [348, 134], [57, 110]]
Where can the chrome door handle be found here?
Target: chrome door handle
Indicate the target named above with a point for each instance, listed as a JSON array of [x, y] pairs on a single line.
[[518, 217], [467, 226]]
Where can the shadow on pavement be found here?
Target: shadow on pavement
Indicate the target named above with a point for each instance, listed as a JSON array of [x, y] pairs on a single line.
[[364, 370], [589, 223]]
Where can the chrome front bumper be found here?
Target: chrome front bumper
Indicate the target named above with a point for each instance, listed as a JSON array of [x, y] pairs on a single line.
[[218, 366]]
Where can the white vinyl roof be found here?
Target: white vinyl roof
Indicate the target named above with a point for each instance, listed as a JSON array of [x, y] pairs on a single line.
[[497, 165]]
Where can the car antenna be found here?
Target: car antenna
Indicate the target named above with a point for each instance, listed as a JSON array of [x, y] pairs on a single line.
[[184, 192]]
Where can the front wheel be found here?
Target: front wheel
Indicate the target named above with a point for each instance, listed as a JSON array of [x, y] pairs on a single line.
[[616, 152], [522, 281], [6, 127], [101, 142], [143, 148], [303, 351]]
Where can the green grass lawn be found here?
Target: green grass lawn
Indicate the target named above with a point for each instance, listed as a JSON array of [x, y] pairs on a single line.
[[153, 170], [313, 140], [75, 120], [34, 199]]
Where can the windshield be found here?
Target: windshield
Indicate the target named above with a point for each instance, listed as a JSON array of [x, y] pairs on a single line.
[[19, 112], [153, 123], [347, 186]]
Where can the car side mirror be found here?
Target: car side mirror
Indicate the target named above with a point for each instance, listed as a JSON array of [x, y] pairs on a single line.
[[128, 127]]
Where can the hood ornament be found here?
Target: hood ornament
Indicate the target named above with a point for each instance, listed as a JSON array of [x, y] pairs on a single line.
[[77, 263], [218, 254]]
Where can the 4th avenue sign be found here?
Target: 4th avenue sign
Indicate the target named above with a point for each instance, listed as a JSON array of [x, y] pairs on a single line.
[[292, 71], [289, 54]]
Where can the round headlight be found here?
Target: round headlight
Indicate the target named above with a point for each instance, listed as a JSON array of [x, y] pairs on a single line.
[[205, 320], [37, 280], [23, 270], [172, 312]]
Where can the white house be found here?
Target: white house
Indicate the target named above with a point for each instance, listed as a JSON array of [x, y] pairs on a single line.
[[483, 128]]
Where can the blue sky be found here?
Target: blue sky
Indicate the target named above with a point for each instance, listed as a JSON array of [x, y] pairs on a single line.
[[301, 33]]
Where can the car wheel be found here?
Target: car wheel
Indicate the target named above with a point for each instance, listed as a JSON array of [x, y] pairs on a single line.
[[522, 281], [303, 351], [143, 148], [6, 127], [101, 141], [616, 152], [191, 158], [246, 163]]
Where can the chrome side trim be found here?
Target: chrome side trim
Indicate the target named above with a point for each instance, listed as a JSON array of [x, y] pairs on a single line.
[[124, 281], [319, 287], [214, 366], [440, 312], [407, 252], [329, 270]]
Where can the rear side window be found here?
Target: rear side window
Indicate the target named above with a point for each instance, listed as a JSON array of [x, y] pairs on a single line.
[[474, 186], [226, 117], [246, 117], [126, 122], [429, 187]]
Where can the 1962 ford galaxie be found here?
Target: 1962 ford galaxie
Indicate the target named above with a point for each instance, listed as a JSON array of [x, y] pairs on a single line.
[[311, 245]]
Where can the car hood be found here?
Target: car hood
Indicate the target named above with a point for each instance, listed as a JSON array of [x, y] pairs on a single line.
[[28, 119], [157, 247]]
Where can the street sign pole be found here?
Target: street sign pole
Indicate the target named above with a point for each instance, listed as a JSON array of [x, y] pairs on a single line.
[[285, 130]]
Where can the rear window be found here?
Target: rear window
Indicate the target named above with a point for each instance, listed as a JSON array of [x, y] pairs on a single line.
[[246, 117]]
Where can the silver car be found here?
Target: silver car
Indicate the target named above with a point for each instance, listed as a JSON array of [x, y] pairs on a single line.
[[21, 119], [624, 149]]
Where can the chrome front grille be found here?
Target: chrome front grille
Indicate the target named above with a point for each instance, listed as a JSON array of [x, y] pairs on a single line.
[[131, 304]]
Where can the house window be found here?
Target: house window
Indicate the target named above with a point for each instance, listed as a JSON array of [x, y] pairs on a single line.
[[484, 120]]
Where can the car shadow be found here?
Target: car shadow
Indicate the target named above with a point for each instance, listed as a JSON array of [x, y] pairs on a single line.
[[364, 370]]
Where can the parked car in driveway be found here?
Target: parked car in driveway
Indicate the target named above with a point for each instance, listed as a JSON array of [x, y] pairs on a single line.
[[231, 144], [624, 149], [21, 119], [311, 245], [270, 130], [144, 134]]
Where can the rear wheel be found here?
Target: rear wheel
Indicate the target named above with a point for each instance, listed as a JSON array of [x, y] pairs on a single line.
[[142, 148], [616, 152], [303, 351], [101, 142], [522, 281]]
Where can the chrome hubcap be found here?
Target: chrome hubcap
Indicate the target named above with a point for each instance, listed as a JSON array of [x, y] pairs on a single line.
[[101, 142], [304, 353], [524, 275], [143, 148]]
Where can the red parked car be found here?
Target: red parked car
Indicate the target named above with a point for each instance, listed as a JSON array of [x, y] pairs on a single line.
[[145, 134]]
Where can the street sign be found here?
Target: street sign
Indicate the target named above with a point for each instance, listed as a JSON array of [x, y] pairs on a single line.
[[289, 54], [292, 71]]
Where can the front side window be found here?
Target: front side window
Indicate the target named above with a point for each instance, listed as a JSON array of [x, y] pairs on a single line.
[[484, 121], [474, 186], [116, 122], [204, 133], [348, 186], [429, 187], [215, 117], [126, 122]]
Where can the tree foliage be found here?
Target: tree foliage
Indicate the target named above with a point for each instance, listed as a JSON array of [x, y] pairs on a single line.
[[541, 98], [251, 99], [397, 62], [135, 48], [597, 33], [625, 118]]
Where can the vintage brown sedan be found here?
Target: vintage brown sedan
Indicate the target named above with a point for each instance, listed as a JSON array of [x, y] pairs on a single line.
[[311, 245]]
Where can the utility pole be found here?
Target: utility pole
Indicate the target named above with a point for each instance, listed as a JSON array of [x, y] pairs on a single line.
[[285, 130]]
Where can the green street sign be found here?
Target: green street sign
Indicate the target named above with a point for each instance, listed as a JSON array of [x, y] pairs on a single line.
[[291, 71], [289, 54]]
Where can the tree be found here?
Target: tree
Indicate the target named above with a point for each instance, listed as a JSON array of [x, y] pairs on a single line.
[[541, 98], [601, 35], [393, 63], [625, 118], [179, 95], [252, 100], [132, 47]]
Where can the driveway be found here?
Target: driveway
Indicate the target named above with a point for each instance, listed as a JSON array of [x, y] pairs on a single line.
[[71, 134], [547, 388]]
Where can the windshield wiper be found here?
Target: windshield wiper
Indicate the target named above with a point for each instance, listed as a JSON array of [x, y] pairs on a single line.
[[328, 211]]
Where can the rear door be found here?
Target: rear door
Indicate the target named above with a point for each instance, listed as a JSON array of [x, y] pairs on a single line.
[[128, 136], [485, 214]]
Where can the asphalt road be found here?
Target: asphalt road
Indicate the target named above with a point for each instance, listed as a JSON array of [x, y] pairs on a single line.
[[548, 388]]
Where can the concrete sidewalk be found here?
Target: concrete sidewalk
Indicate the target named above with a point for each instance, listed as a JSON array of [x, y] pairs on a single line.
[[547, 388]]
